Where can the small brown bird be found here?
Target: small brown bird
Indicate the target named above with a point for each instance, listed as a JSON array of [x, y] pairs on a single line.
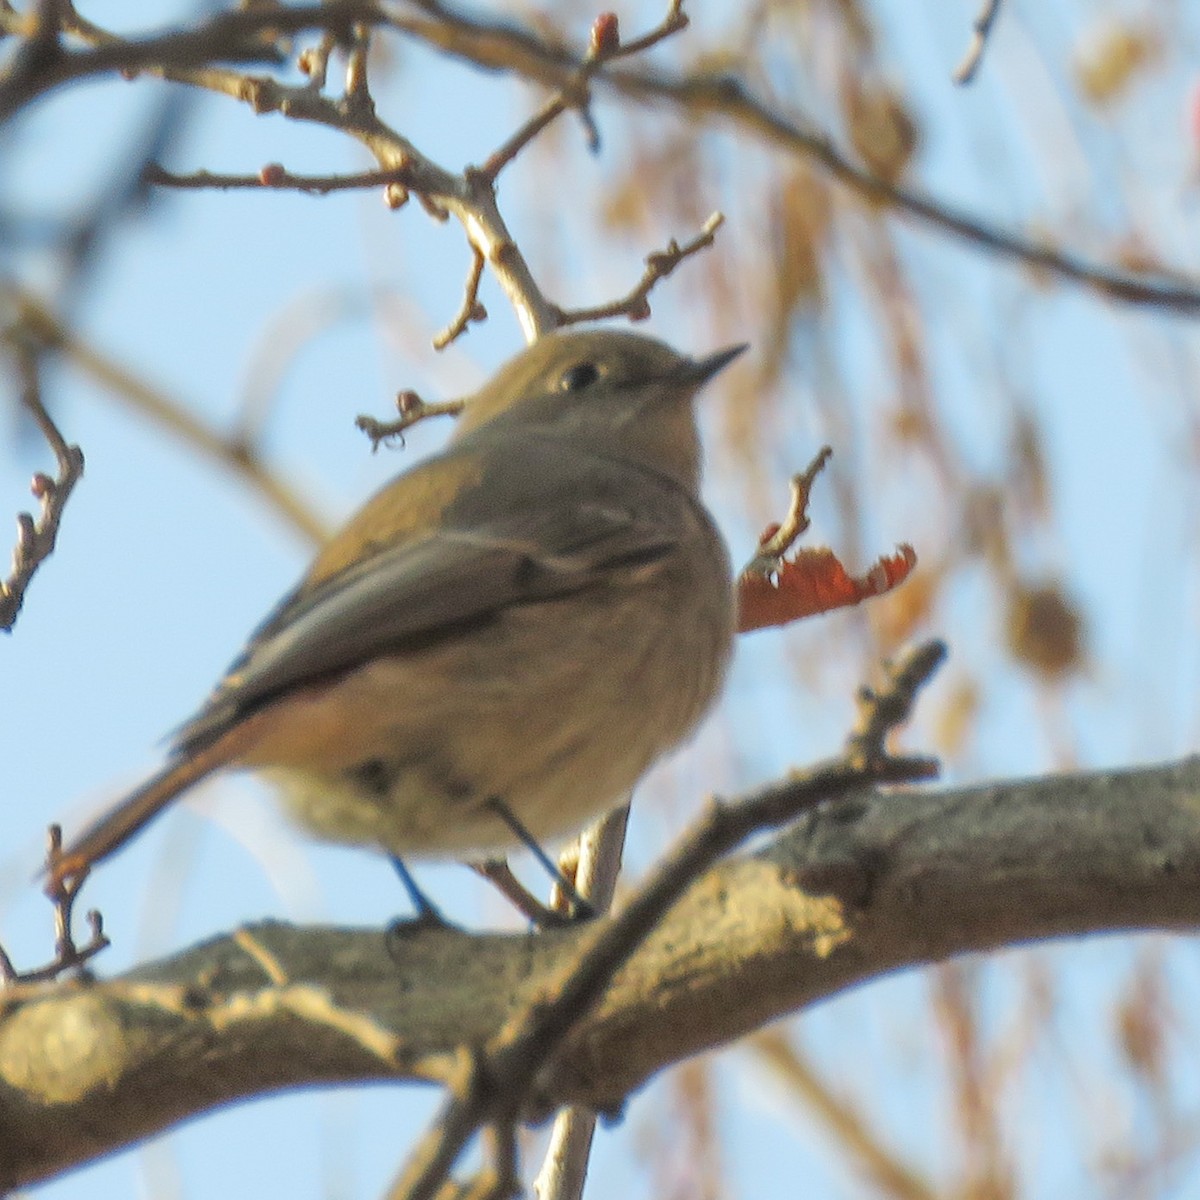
[[503, 639]]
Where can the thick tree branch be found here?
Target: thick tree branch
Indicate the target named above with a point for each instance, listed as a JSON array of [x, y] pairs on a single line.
[[852, 891]]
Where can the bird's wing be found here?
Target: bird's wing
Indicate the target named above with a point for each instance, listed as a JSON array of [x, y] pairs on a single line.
[[411, 593]]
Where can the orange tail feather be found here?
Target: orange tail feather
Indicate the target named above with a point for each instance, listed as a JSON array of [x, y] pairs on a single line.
[[109, 832]]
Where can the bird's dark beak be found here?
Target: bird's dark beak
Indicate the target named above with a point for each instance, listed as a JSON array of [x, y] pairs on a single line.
[[701, 370]]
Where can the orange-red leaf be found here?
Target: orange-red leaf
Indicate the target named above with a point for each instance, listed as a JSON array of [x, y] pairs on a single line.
[[814, 581]]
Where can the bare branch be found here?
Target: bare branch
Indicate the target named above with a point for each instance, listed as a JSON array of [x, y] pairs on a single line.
[[597, 865], [68, 954], [470, 196], [500, 875], [225, 37], [500, 46], [412, 409], [314, 61], [982, 27], [881, 713], [358, 93], [471, 309], [273, 177], [183, 57], [725, 98], [660, 264], [767, 557], [603, 47], [36, 539], [857, 889], [576, 97]]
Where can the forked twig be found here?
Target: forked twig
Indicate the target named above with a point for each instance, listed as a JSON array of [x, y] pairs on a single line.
[[36, 539], [412, 409], [68, 954], [659, 264], [604, 47]]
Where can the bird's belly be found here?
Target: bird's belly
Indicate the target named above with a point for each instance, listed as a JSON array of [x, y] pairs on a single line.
[[440, 734], [412, 807]]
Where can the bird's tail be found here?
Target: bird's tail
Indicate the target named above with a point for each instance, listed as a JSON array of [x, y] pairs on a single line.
[[109, 832]]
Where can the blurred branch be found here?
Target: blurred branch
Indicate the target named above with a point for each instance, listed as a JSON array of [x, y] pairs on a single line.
[[36, 539], [233, 454], [982, 27], [887, 1171], [224, 37], [975, 1099], [855, 890], [504, 47]]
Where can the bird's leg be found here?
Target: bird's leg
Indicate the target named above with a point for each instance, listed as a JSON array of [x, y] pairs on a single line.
[[578, 908], [428, 913]]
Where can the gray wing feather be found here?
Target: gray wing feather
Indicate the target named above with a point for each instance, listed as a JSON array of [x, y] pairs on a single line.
[[408, 594]]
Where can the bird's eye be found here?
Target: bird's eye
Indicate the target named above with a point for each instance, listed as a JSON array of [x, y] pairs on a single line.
[[578, 377]]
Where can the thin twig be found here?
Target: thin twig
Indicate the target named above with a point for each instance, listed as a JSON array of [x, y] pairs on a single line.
[[498, 1084], [274, 177], [982, 27], [470, 311], [881, 712], [68, 954], [772, 549], [36, 539], [511, 147], [604, 47], [659, 264], [412, 409], [314, 61]]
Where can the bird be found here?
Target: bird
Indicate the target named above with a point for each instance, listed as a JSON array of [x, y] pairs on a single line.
[[500, 642]]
